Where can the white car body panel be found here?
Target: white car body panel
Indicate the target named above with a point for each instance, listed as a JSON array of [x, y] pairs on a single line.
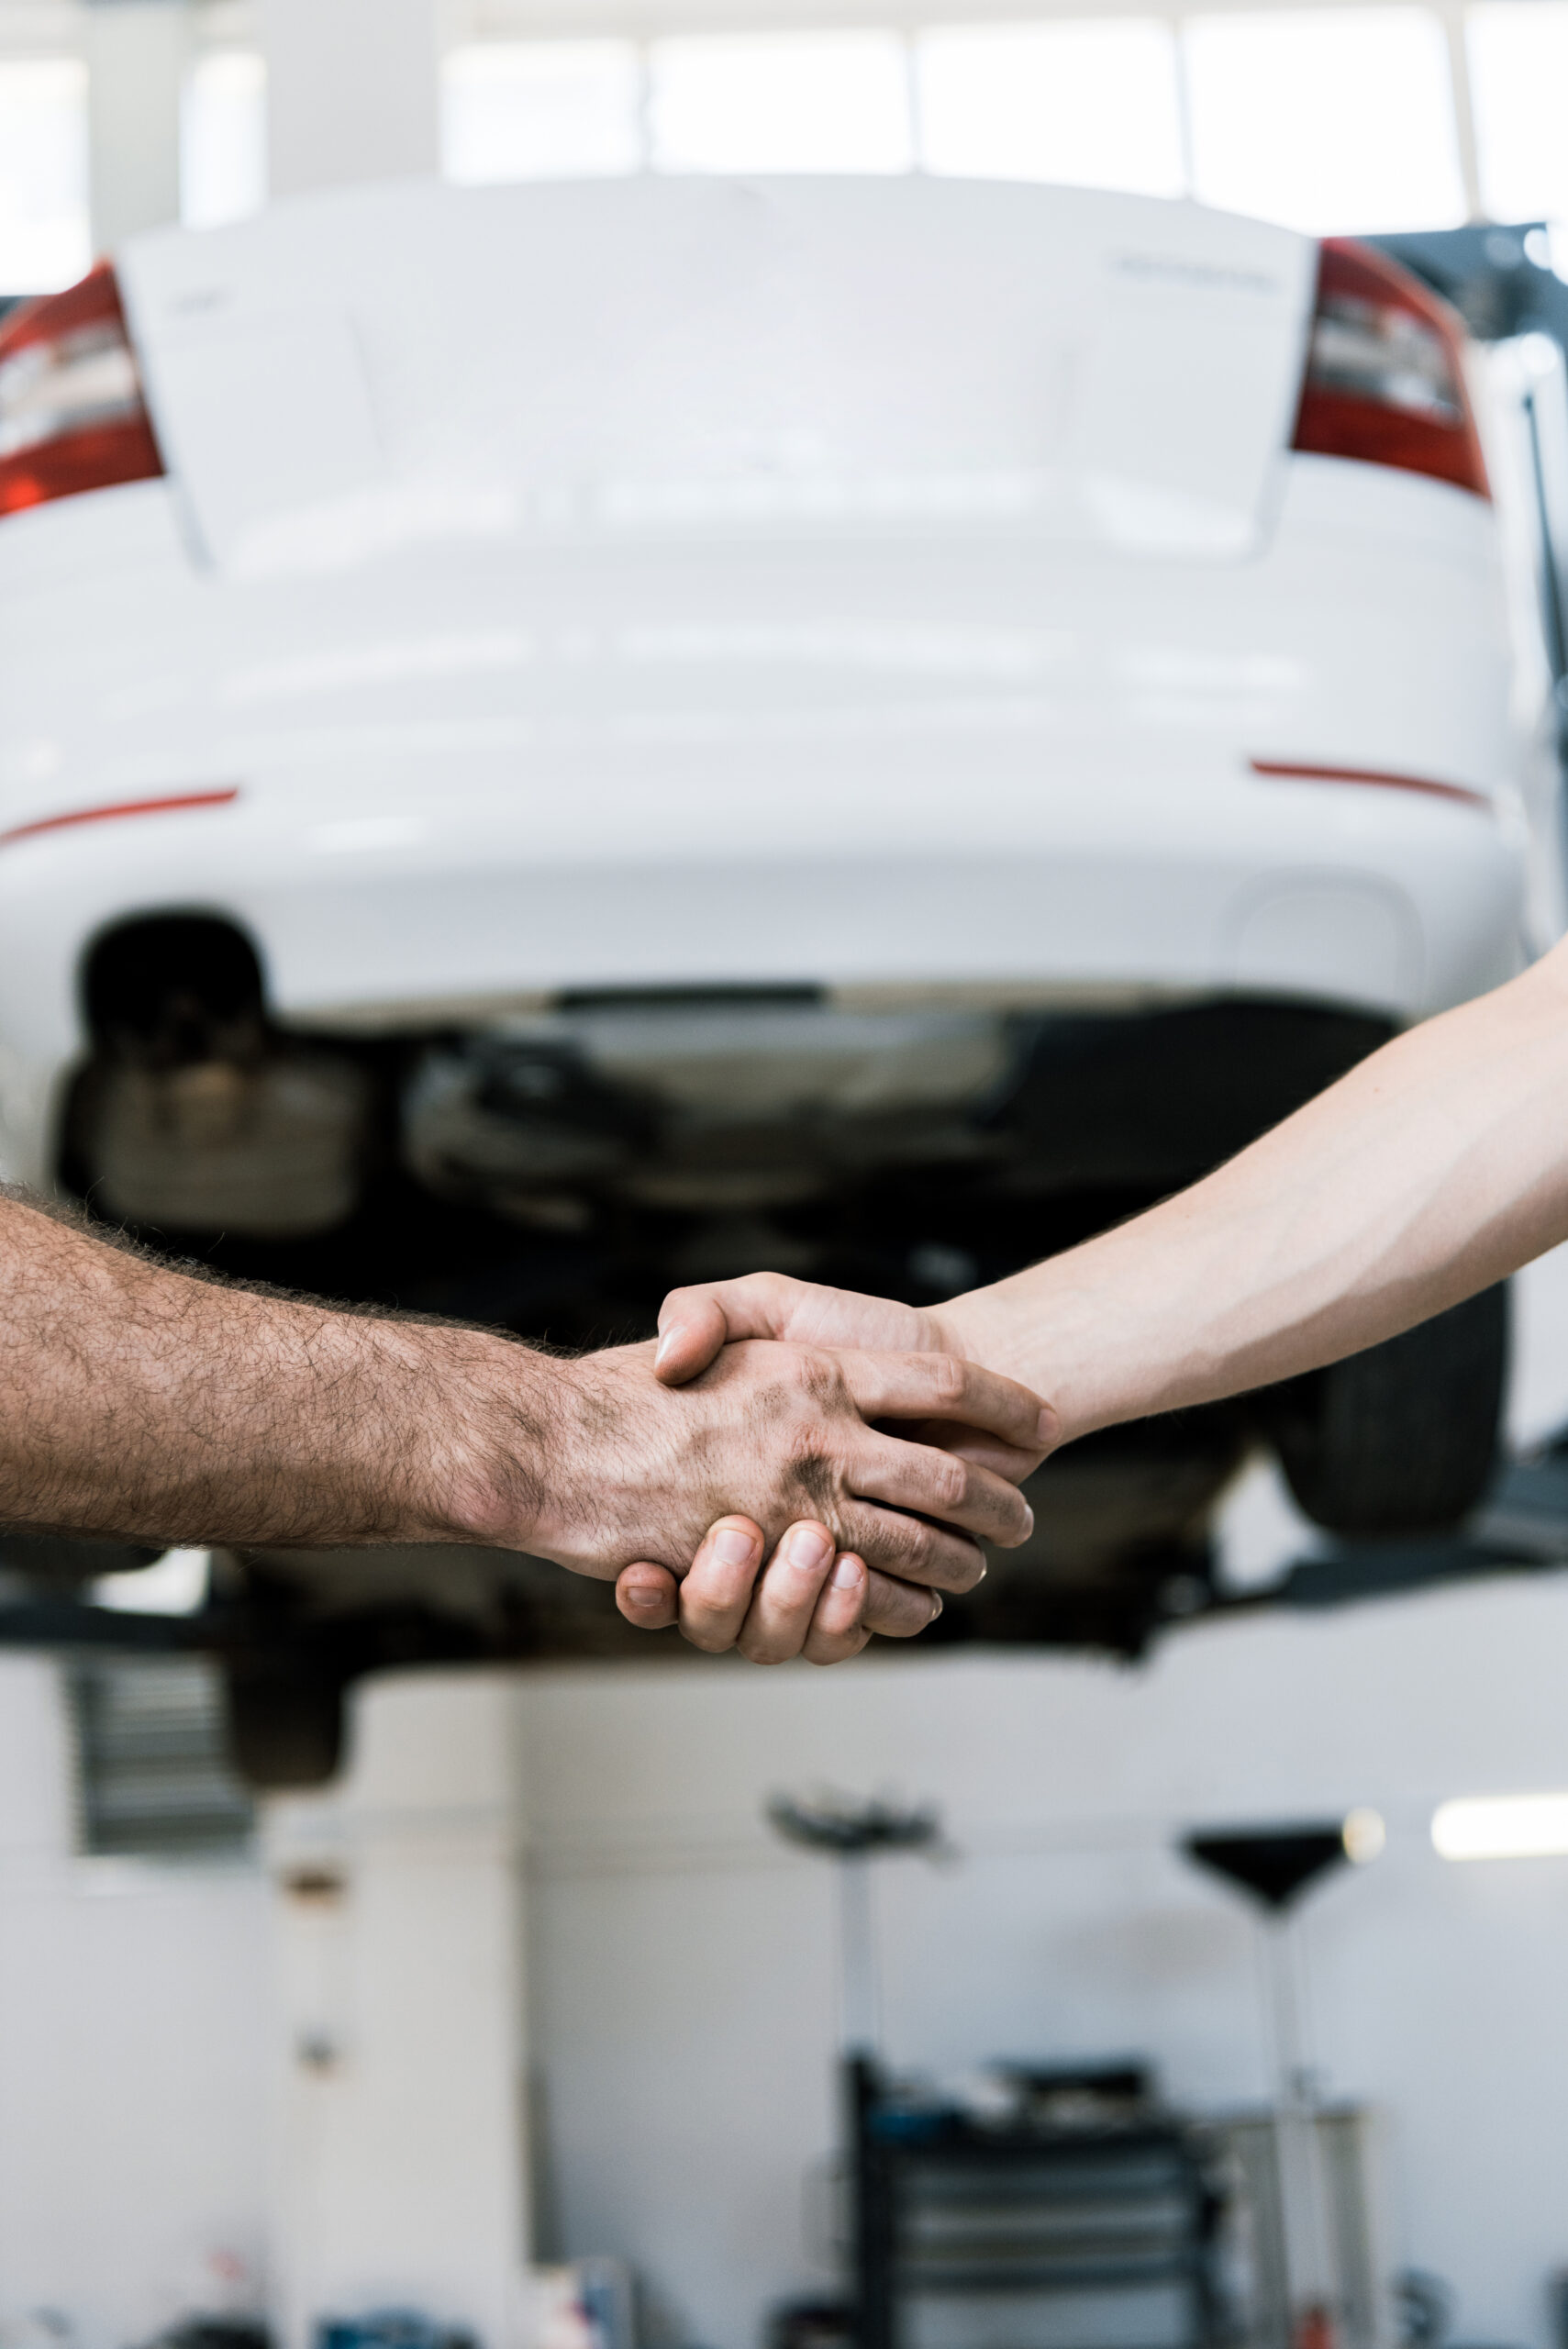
[[670, 358], [564, 619]]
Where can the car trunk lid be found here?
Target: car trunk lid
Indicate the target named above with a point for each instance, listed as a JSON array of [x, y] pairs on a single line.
[[673, 359]]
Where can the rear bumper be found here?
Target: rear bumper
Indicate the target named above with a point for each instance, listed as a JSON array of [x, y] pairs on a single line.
[[1007, 784], [1060, 893], [1378, 902], [415, 902]]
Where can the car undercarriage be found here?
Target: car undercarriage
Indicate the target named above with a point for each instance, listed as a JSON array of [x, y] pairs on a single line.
[[552, 1171]]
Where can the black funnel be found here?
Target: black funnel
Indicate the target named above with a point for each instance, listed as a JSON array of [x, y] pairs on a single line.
[[1275, 1863], [849, 1830]]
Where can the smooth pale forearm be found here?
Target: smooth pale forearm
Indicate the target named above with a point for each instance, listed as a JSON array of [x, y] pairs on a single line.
[[1434, 1168]]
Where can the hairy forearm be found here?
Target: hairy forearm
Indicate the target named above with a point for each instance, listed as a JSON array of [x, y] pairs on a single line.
[[138, 1400], [1436, 1166], [141, 1400]]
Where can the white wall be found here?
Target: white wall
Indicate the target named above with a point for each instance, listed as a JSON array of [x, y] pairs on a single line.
[[351, 90], [684, 1989], [400, 2155], [133, 2074], [683, 1963], [136, 54]]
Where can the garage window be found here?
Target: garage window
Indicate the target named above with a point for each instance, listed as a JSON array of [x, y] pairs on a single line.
[[1087, 105], [521, 110], [781, 102], [45, 241], [1337, 121], [1519, 72], [223, 138]]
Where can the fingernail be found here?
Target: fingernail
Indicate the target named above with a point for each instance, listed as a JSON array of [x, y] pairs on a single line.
[[733, 1547], [1046, 1434], [936, 1605], [667, 1341], [846, 1575], [1028, 1516], [807, 1547], [644, 1599]]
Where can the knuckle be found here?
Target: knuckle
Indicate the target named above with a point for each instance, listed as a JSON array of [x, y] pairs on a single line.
[[949, 1479], [713, 1639], [806, 1446], [919, 1545], [950, 1377]]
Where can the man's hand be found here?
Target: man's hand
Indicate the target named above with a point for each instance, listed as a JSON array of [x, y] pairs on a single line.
[[784, 1433], [713, 1604], [810, 1600], [141, 1402]]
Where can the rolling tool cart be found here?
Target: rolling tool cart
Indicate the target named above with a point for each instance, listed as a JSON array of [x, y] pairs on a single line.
[[1081, 2220]]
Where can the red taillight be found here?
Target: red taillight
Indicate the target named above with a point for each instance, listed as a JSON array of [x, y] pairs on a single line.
[[1385, 372], [72, 415]]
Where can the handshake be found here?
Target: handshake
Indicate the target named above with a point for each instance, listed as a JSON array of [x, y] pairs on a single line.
[[790, 1470]]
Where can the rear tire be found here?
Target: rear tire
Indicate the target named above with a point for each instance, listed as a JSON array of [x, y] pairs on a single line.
[[1401, 1438]]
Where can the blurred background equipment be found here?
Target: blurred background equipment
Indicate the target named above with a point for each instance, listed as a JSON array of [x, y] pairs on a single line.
[[388, 2329], [854, 1834], [1326, 2295], [1072, 2208], [154, 1771]]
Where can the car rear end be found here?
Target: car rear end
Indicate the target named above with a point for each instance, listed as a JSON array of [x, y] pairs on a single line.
[[869, 726]]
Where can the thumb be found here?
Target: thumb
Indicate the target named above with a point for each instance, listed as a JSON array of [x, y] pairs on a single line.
[[692, 1329], [647, 1596], [694, 1323]]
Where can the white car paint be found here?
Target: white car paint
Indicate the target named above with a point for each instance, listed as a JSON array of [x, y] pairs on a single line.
[[882, 586]]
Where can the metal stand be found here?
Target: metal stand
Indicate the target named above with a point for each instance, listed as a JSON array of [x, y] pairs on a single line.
[[1276, 1866], [859, 2019], [852, 1834], [1308, 2251]]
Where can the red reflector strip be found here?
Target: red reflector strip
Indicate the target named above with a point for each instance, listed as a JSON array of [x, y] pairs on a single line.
[[221, 798], [1367, 774]]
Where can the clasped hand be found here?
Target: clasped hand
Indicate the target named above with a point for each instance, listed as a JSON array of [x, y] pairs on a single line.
[[857, 1479]]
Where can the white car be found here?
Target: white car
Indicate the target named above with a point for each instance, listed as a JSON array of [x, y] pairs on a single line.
[[557, 738]]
